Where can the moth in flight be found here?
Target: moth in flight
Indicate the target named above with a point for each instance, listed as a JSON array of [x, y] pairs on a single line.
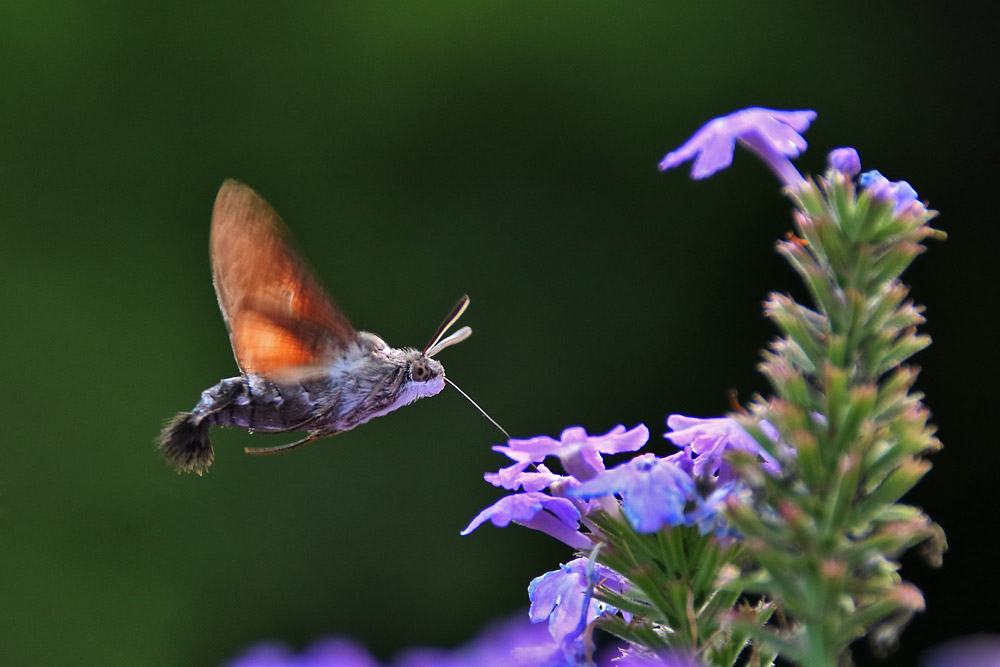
[[303, 366]]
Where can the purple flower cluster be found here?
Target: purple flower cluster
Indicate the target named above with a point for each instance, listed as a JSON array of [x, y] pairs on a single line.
[[688, 488], [555, 513]]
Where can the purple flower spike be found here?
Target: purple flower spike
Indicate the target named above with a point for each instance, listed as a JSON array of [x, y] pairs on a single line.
[[565, 597], [654, 491], [773, 135], [580, 453], [845, 160], [708, 440], [882, 189], [556, 517]]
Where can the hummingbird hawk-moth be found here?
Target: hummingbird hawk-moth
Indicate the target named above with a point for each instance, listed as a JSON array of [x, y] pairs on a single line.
[[303, 366]]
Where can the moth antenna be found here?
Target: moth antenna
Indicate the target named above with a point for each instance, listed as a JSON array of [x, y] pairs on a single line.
[[476, 405], [457, 337], [453, 316]]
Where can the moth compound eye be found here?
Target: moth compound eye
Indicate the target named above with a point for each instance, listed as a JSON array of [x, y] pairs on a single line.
[[420, 371]]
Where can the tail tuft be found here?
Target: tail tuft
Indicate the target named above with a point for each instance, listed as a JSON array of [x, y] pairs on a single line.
[[184, 441]]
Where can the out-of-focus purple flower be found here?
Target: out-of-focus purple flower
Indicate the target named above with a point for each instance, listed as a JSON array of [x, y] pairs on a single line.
[[557, 517], [845, 160], [708, 440], [515, 642], [333, 652], [565, 597], [632, 657], [899, 193], [773, 135], [982, 650], [654, 491], [580, 453]]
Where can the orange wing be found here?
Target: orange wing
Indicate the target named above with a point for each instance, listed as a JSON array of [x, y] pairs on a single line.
[[281, 322]]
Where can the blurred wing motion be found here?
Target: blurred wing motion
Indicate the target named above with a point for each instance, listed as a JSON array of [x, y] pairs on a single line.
[[281, 322]]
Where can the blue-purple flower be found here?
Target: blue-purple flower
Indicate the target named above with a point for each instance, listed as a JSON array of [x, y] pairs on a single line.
[[655, 491], [557, 517], [898, 193], [565, 598], [580, 453], [708, 441], [775, 136]]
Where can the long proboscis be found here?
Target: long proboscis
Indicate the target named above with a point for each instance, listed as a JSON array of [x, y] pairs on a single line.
[[476, 405]]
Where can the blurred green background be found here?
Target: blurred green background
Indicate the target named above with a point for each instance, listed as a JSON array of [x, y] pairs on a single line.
[[419, 151]]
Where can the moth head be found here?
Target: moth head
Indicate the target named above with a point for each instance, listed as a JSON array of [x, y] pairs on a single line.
[[425, 369]]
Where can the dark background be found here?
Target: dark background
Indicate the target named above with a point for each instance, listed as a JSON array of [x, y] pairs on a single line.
[[419, 151]]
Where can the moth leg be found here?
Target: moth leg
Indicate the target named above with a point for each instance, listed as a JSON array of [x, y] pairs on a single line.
[[292, 445]]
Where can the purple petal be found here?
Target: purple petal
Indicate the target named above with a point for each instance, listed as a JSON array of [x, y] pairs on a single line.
[[559, 598], [565, 597], [532, 450], [709, 440], [520, 506], [654, 491], [773, 135], [552, 526], [579, 452], [557, 517], [658, 497], [529, 481]]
